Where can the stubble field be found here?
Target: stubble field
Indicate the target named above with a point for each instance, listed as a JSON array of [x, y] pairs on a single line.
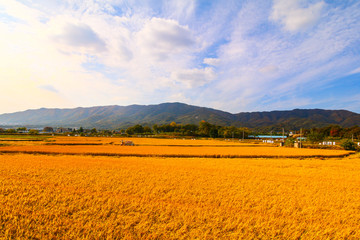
[[105, 197]]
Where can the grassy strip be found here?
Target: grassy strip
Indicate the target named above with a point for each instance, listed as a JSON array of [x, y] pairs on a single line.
[[173, 155]]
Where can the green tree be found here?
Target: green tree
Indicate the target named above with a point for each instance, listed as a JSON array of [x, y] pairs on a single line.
[[147, 129], [347, 144], [214, 133], [204, 128], [10, 130], [156, 128], [33, 132], [315, 136], [135, 129], [93, 131], [129, 131], [138, 128], [48, 129], [189, 129], [21, 129]]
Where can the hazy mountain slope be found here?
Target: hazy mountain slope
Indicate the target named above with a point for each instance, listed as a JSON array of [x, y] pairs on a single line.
[[111, 117], [117, 116], [306, 118]]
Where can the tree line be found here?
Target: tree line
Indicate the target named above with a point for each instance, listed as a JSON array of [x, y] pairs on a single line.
[[204, 129]]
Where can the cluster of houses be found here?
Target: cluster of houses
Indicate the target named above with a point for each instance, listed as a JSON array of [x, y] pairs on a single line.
[[268, 138], [327, 143]]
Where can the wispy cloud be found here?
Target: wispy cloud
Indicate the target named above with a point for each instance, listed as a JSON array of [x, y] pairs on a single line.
[[355, 71]]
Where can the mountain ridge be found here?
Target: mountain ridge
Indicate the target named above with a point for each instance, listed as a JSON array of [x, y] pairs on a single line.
[[114, 117]]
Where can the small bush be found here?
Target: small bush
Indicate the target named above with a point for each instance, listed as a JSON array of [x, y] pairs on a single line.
[[347, 144], [289, 142]]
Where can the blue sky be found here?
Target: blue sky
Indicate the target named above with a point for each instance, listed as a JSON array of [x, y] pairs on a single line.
[[237, 56]]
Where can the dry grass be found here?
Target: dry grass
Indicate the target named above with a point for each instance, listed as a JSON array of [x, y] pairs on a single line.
[[71, 197]]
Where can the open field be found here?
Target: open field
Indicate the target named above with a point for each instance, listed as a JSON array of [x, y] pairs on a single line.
[[162, 148], [61, 196], [168, 151], [66, 197]]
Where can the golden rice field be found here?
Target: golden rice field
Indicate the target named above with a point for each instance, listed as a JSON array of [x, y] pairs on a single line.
[[103, 197], [163, 148]]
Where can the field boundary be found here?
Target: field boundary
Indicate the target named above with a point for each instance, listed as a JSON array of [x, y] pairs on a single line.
[[173, 155]]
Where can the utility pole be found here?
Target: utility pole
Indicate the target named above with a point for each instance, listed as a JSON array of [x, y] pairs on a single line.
[[300, 136]]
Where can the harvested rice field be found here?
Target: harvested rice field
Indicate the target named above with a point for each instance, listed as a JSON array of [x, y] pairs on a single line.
[[48, 196]]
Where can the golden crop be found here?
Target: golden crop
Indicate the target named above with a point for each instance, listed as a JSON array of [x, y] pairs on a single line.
[[166, 148], [170, 151], [100, 197], [145, 141]]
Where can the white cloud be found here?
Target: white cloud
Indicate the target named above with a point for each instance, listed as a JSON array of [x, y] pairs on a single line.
[[81, 35], [21, 12], [212, 61], [294, 16], [193, 78], [160, 38]]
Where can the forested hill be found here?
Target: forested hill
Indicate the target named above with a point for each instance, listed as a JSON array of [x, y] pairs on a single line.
[[112, 117]]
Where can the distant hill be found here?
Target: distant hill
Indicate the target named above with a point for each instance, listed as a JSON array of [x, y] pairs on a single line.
[[299, 118], [113, 117]]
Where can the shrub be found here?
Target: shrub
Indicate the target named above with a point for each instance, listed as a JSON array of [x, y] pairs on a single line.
[[347, 144], [289, 142]]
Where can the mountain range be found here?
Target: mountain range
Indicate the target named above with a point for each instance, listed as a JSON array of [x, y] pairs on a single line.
[[116, 117]]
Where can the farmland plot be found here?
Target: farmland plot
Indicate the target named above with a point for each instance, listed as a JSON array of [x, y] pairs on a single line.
[[77, 196], [165, 148]]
